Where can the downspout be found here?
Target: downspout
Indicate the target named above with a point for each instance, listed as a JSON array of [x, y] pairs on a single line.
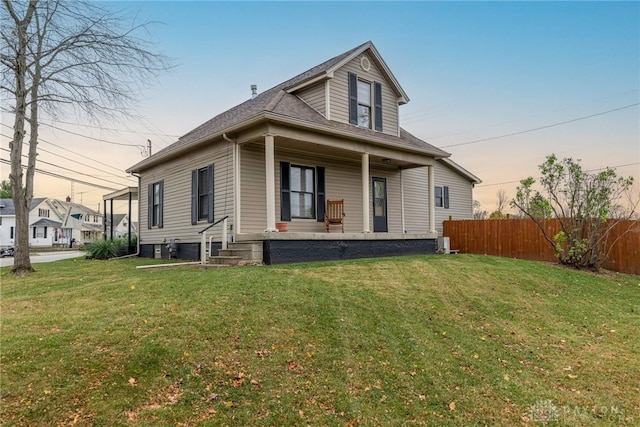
[[138, 239]]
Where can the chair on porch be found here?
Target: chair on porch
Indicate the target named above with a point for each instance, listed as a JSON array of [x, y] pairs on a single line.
[[334, 214]]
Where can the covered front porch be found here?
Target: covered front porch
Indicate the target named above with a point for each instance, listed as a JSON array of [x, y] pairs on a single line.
[[394, 185]]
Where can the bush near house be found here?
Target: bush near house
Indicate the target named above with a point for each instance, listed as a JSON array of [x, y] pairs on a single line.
[[104, 248]]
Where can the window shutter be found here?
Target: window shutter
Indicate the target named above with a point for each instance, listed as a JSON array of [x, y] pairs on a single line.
[[353, 99], [285, 192], [150, 206], [446, 197], [161, 190], [210, 193], [45, 232], [34, 232], [194, 196], [377, 102], [320, 197]]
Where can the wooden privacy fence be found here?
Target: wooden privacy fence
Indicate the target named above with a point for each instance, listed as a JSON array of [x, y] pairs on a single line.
[[522, 238]]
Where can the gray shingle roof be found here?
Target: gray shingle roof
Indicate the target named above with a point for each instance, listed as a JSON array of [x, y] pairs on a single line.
[[9, 209], [277, 101]]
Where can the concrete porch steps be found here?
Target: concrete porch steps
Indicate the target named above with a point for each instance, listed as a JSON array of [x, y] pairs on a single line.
[[238, 253]]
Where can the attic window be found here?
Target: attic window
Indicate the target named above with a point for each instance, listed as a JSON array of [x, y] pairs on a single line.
[[364, 104], [361, 105]]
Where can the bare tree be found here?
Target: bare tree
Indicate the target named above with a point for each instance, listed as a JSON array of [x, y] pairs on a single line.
[[478, 212], [501, 203], [58, 56]]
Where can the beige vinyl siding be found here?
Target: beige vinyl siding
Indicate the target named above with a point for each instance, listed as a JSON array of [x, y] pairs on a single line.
[[343, 180], [460, 195], [177, 195], [339, 94], [315, 96], [253, 190], [416, 200]]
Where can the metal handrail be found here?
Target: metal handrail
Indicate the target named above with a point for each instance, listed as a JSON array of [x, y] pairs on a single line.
[[211, 225], [203, 232]]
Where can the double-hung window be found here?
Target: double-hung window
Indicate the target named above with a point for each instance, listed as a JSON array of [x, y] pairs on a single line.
[[202, 194], [442, 197], [302, 192], [365, 103], [156, 199]]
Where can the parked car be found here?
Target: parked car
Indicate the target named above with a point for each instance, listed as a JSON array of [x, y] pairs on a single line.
[[8, 251]]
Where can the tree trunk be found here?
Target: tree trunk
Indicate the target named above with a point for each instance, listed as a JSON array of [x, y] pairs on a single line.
[[21, 196]]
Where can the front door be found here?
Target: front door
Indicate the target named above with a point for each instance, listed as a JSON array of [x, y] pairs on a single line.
[[379, 205]]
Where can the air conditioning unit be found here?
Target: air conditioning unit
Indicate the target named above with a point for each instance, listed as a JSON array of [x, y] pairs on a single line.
[[443, 245]]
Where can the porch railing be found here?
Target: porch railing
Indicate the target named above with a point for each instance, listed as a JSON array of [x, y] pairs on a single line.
[[203, 240]]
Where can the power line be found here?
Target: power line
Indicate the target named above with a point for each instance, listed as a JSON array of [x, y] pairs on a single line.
[[92, 138], [40, 140], [118, 130], [589, 170], [56, 154], [55, 175], [159, 133], [542, 127], [62, 167]]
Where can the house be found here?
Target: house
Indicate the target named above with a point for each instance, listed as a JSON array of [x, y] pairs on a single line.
[[86, 224], [330, 133], [121, 228], [45, 223], [51, 223]]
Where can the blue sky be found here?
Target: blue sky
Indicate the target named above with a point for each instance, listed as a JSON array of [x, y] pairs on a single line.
[[473, 70]]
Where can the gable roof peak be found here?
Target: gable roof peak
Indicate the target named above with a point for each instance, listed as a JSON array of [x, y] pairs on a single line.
[[327, 68]]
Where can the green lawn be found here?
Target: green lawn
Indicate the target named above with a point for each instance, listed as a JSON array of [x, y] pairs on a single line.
[[433, 340]]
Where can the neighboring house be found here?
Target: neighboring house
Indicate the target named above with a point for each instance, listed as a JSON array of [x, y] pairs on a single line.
[[453, 192], [86, 224], [121, 228], [330, 133], [45, 223]]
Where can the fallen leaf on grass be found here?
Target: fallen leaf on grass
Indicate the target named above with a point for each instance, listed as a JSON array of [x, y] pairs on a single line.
[[293, 366], [133, 382], [506, 377], [452, 406]]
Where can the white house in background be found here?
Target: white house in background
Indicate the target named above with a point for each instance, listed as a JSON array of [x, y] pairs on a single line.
[[121, 228], [45, 223], [52, 222], [85, 223]]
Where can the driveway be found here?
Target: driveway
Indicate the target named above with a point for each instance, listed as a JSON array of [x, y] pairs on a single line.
[[45, 257]]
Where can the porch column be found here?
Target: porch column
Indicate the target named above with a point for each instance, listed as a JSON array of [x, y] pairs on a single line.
[[365, 193], [269, 163], [432, 200]]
